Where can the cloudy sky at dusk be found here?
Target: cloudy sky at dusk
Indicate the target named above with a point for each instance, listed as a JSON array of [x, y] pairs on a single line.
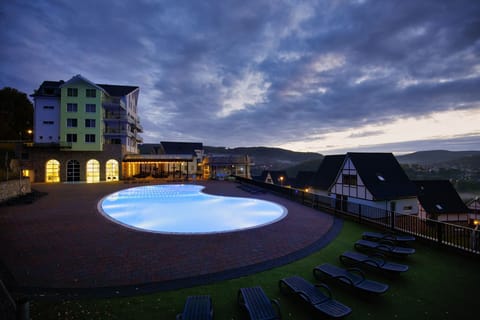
[[322, 76]]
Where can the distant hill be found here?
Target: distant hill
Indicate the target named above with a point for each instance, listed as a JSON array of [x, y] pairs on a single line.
[[266, 158], [310, 165], [428, 158]]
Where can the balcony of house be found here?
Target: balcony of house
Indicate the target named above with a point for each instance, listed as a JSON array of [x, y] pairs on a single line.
[[114, 103], [109, 131], [114, 115]]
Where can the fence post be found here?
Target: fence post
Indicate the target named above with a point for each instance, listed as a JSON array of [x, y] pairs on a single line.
[[440, 231], [392, 220]]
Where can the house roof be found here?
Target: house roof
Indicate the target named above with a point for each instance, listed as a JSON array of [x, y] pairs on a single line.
[[327, 171], [48, 88], [169, 147], [275, 175], [303, 179], [382, 175], [149, 148], [110, 89], [439, 196], [116, 90], [81, 78]]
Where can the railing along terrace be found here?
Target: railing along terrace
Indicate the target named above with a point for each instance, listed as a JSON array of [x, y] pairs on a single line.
[[455, 236]]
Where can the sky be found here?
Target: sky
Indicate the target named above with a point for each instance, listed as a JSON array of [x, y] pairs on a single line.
[[321, 76]]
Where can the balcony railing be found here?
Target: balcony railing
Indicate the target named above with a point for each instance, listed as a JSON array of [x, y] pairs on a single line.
[[455, 236]]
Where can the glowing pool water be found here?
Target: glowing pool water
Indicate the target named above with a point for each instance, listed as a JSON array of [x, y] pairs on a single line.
[[185, 209]]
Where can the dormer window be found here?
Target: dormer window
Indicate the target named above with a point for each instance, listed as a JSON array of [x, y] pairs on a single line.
[[380, 177], [438, 206]]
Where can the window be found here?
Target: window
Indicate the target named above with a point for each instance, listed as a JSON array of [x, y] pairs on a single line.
[[72, 92], [349, 179], [72, 107], [52, 171], [48, 107], [72, 123], [90, 107], [93, 171], [47, 122], [91, 93], [89, 123], [71, 137], [90, 138]]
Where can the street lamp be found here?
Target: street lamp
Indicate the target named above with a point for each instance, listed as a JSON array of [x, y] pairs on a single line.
[[281, 181]]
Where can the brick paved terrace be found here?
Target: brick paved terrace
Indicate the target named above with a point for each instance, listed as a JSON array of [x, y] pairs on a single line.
[[61, 244]]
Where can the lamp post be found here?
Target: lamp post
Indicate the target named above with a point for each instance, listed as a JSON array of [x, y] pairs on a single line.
[[281, 181]]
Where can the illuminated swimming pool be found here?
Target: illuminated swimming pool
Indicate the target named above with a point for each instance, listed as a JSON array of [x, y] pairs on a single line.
[[184, 208]]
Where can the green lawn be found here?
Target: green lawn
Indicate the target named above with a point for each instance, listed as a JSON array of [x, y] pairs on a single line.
[[439, 285]]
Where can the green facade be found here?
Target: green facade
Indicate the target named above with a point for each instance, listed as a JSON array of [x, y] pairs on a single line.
[[89, 125]]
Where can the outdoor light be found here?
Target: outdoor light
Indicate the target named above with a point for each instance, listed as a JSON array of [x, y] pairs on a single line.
[[476, 222]]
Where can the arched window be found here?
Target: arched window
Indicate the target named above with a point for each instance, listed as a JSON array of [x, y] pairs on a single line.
[[93, 171], [73, 171], [52, 171], [112, 170]]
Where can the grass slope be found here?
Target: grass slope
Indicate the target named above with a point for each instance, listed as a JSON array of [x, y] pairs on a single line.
[[439, 285]]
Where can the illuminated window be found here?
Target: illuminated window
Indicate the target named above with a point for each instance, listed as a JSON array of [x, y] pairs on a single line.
[[93, 171], [112, 170], [52, 171]]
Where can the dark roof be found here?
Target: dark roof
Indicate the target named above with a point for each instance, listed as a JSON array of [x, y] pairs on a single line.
[[48, 88], [149, 148], [303, 179], [439, 196], [382, 175], [275, 176], [223, 160], [117, 91], [169, 147], [327, 171]]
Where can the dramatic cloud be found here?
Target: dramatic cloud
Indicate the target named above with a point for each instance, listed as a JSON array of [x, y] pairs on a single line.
[[309, 75]]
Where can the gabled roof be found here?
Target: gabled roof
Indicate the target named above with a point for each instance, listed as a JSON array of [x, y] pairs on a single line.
[[327, 171], [439, 197], [303, 179], [169, 147], [117, 91], [81, 78], [382, 175], [275, 175]]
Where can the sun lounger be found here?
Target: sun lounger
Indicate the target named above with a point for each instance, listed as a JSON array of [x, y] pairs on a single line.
[[396, 238], [352, 277], [383, 247], [257, 304], [358, 259], [318, 296], [197, 308]]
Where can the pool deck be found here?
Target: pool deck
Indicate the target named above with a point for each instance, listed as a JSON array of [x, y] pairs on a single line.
[[60, 246]]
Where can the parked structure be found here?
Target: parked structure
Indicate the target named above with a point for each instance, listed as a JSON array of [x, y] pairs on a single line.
[[172, 160], [222, 166], [439, 200], [82, 131], [373, 179], [274, 177]]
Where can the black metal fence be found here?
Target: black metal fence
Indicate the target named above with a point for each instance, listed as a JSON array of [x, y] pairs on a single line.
[[455, 236]]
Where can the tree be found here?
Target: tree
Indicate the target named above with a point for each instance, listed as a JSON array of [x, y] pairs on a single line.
[[16, 112]]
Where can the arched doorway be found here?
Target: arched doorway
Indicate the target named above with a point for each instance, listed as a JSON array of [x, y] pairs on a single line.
[[112, 170], [52, 171], [93, 171], [73, 171]]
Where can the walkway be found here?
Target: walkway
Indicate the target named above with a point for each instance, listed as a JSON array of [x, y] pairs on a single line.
[[61, 246]]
